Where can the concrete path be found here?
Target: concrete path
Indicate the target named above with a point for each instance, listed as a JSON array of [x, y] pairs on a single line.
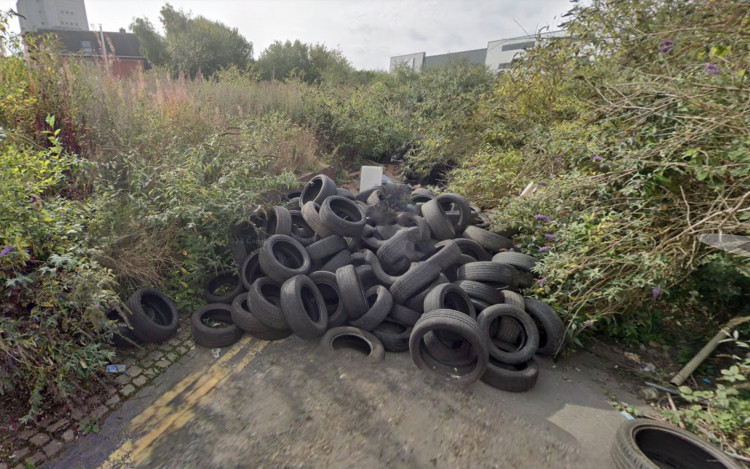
[[288, 404]]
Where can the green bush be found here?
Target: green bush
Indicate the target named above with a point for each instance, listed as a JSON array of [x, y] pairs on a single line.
[[55, 293], [135, 182], [721, 414], [640, 143]]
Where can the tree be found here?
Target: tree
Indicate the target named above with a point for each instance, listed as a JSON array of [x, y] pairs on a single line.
[[192, 45], [153, 46], [310, 63]]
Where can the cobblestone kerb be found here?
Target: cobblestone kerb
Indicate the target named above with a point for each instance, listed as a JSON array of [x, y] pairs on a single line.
[[37, 443]]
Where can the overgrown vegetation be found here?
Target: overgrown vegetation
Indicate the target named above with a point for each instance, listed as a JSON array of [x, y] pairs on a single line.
[[636, 132]]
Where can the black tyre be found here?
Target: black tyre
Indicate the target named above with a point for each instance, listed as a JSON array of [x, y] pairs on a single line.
[[479, 305], [353, 338], [278, 221], [352, 292], [511, 378], [445, 254], [490, 241], [345, 193], [223, 287], [366, 275], [421, 196], [380, 301], [480, 291], [393, 335], [449, 296], [264, 300], [460, 324], [336, 262], [365, 194], [250, 269], [281, 258], [519, 260], [212, 326], [418, 277], [436, 218], [303, 307], [491, 273], [514, 299], [301, 231], [317, 189], [244, 319], [292, 194], [383, 277], [456, 202], [329, 290], [326, 247], [645, 444], [416, 302], [152, 315], [409, 220], [473, 249], [507, 330], [518, 351], [551, 327], [392, 253], [311, 213], [293, 204], [403, 315], [342, 216]]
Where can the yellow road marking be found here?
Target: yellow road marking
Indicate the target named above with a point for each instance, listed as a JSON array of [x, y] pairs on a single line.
[[164, 419]]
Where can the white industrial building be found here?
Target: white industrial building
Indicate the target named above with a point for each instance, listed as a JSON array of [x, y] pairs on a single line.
[[52, 14], [497, 56]]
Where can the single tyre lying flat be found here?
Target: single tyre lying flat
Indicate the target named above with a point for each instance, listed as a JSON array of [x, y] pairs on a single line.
[[212, 326], [353, 338]]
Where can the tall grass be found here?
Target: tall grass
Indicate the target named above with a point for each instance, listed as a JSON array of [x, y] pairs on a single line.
[[139, 182]]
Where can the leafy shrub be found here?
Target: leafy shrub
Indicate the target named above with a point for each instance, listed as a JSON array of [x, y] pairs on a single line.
[[640, 143], [721, 414], [55, 293], [135, 182]]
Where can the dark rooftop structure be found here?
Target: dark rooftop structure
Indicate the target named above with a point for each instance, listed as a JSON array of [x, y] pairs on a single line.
[[118, 52], [88, 43]]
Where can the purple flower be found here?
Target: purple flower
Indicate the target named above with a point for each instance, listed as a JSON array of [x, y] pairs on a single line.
[[588, 323], [544, 218], [666, 46], [551, 237], [541, 281], [6, 251], [510, 250], [544, 249], [656, 292], [596, 158], [712, 69]]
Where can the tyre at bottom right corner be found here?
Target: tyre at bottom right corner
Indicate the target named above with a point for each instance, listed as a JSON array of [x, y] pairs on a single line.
[[650, 444], [511, 378]]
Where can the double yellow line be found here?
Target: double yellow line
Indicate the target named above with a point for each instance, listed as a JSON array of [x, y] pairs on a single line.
[[175, 408]]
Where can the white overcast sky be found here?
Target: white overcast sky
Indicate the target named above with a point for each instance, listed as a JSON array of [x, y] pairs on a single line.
[[367, 32]]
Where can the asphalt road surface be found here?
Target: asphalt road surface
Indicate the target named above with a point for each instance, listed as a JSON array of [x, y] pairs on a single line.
[[289, 404]]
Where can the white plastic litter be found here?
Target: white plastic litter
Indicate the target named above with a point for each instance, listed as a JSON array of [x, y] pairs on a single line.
[[370, 176]]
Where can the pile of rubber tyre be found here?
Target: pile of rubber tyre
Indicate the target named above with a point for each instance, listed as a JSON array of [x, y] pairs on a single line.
[[394, 269]]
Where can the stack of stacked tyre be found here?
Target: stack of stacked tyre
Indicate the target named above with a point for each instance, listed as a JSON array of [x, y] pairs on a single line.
[[397, 269]]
